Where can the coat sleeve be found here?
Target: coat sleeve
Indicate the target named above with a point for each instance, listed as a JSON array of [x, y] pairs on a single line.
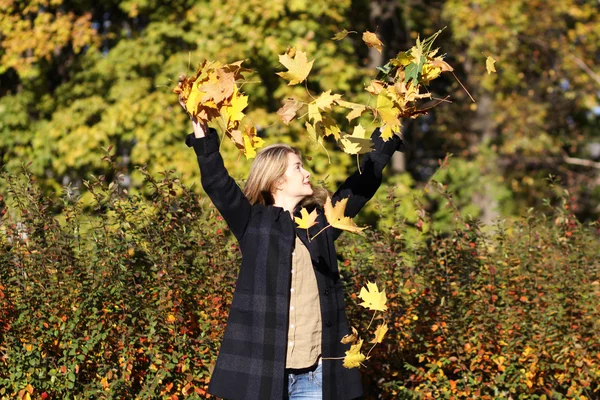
[[362, 185], [222, 189]]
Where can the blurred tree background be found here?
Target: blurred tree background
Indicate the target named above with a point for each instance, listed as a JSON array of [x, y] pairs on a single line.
[[79, 75]]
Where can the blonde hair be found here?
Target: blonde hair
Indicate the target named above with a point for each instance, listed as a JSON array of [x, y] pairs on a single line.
[[266, 172]]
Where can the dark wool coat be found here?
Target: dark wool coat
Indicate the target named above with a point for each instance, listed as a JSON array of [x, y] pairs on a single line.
[[251, 362]]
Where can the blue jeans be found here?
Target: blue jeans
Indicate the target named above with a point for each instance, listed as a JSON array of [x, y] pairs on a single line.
[[307, 386]]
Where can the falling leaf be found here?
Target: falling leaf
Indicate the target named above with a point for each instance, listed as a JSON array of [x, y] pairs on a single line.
[[306, 220], [357, 109], [340, 35], [372, 40], [350, 338], [326, 100], [288, 112], [315, 133], [356, 143], [380, 333], [298, 67], [314, 114], [489, 64], [372, 298], [331, 128], [354, 357], [335, 216]]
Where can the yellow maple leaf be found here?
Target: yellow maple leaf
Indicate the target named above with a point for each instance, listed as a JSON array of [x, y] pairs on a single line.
[[326, 100], [251, 143], [315, 132], [357, 109], [314, 114], [386, 133], [171, 318], [331, 128], [232, 113], [387, 110], [298, 66], [489, 64], [380, 333], [356, 143], [372, 298], [354, 357], [372, 40], [306, 220], [335, 216]]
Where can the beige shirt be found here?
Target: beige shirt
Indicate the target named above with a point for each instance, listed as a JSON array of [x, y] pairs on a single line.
[[304, 331]]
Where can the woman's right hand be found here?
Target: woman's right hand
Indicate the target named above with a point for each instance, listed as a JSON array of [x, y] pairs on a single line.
[[200, 128]]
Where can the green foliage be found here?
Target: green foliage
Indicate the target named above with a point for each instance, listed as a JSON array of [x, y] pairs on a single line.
[[129, 298]]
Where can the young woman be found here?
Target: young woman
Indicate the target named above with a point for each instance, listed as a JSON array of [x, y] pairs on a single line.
[[288, 315]]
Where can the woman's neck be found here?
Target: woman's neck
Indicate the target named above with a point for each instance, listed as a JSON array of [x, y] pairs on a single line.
[[288, 204]]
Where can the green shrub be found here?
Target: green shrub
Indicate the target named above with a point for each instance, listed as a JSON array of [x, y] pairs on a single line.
[[127, 297]]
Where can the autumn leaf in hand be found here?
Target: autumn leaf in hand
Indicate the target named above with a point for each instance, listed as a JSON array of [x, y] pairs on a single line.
[[297, 64], [489, 64], [354, 357], [251, 142], [372, 40], [306, 220], [372, 298], [335, 216], [380, 333], [356, 143]]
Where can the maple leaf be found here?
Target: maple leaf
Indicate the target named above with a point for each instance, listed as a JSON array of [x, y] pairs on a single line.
[[307, 220], [354, 357], [350, 338], [335, 216], [386, 133], [356, 143], [315, 133], [326, 100], [251, 142], [375, 87], [331, 128], [232, 112], [380, 333], [298, 66], [340, 35], [372, 40], [314, 114], [489, 64], [372, 298], [288, 111], [357, 109], [387, 111]]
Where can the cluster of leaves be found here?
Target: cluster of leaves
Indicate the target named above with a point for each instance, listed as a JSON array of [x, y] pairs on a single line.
[[396, 94], [214, 93]]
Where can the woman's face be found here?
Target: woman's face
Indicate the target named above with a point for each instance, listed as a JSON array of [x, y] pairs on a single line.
[[296, 180]]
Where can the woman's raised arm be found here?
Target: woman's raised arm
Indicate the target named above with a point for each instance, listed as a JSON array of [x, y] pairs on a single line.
[[361, 186], [222, 189]]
